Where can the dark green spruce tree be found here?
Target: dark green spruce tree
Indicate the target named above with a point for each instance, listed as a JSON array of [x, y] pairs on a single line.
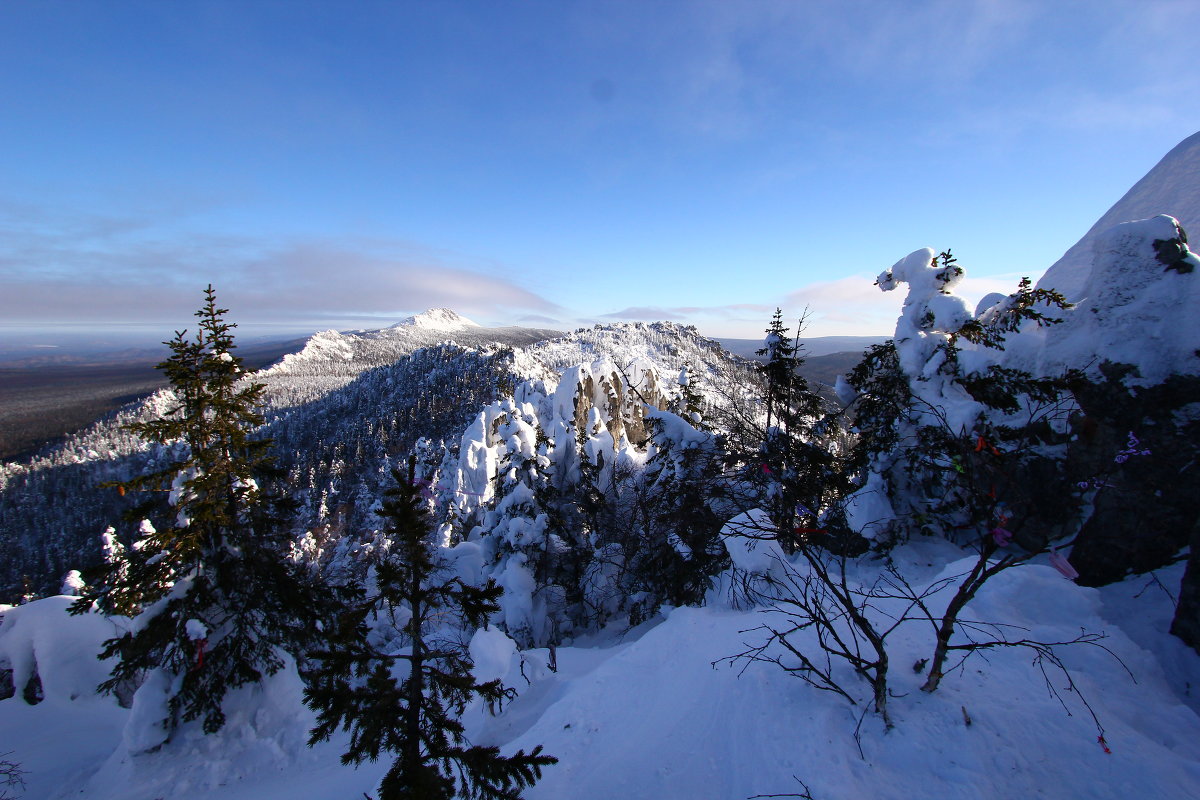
[[800, 461], [407, 701], [217, 599], [781, 360]]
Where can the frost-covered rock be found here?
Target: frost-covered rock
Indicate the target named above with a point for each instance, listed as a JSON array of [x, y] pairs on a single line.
[[1171, 187], [1140, 306], [1135, 334], [41, 641]]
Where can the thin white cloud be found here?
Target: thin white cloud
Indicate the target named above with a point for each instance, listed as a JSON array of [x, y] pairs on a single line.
[[335, 278], [731, 311], [539, 319], [64, 268], [643, 313], [850, 306]]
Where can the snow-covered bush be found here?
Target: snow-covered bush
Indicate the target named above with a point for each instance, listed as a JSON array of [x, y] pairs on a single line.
[[950, 441]]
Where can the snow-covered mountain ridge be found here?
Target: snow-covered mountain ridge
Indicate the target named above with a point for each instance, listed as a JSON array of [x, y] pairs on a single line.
[[331, 358], [337, 411]]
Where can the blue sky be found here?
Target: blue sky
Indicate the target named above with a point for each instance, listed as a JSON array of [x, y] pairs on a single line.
[[344, 164]]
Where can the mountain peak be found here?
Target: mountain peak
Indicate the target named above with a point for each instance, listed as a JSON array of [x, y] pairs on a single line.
[[437, 319]]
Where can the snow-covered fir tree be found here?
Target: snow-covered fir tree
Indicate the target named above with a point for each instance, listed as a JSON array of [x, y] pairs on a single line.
[[215, 598]]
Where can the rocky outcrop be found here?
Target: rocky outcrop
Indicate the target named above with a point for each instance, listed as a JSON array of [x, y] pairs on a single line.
[[1132, 345], [1137, 448], [1186, 624], [621, 398], [1172, 186]]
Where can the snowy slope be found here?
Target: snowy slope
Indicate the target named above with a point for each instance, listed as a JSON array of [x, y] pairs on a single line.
[[646, 714], [658, 720], [1171, 187]]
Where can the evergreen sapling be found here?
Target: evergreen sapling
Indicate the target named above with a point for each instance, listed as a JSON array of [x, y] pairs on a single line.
[[407, 700]]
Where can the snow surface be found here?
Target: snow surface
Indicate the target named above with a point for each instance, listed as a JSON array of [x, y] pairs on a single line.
[[646, 714], [40, 638]]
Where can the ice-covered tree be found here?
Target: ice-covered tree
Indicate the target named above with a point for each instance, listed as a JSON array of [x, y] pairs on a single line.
[[405, 698], [217, 600]]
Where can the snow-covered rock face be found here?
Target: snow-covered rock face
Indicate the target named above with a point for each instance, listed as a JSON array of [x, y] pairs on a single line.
[[437, 319], [1139, 305], [592, 411], [592, 399], [1172, 187]]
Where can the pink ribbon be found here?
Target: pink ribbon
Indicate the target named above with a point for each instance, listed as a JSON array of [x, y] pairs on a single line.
[[1061, 564]]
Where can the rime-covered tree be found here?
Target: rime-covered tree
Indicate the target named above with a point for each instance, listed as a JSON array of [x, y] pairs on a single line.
[[679, 547], [960, 443], [218, 602], [690, 402], [406, 700]]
